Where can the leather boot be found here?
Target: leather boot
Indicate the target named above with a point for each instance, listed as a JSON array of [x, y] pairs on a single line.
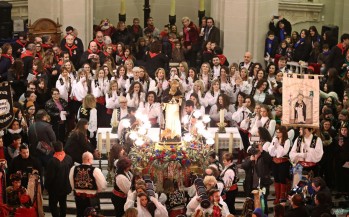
[[283, 191], [277, 193]]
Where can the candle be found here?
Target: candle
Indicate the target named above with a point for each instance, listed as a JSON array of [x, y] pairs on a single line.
[[202, 5], [221, 116], [107, 142], [231, 143], [216, 141], [173, 8], [114, 122], [122, 7], [99, 142]]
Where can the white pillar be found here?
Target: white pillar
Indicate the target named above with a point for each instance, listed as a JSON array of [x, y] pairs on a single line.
[[76, 13], [244, 24]]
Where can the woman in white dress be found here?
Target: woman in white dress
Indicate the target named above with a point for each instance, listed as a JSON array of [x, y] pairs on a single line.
[[64, 84], [121, 78], [135, 96], [160, 84], [212, 95], [221, 103], [152, 110], [206, 75]]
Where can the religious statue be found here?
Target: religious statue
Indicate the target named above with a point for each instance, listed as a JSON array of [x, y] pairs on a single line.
[[300, 110], [172, 123]]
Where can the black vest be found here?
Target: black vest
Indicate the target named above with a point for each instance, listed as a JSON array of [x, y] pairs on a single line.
[[116, 187], [83, 177], [84, 113]]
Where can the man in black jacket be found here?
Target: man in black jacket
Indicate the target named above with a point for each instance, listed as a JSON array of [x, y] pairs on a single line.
[[57, 180], [337, 54], [298, 208], [211, 32], [41, 130], [24, 163], [258, 170]]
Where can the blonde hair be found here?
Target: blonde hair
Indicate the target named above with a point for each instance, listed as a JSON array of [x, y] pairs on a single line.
[[209, 179], [200, 84], [89, 102], [96, 76], [111, 83], [131, 212], [186, 18]]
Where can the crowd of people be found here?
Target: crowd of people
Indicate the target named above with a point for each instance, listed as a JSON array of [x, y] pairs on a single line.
[[63, 92]]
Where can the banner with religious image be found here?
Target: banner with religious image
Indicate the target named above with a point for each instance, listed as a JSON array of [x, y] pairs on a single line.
[[6, 105], [301, 100]]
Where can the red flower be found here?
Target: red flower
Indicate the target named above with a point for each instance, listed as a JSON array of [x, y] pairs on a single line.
[[173, 157], [184, 161], [151, 158], [173, 150]]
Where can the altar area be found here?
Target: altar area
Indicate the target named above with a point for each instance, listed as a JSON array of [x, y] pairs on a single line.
[[174, 152]]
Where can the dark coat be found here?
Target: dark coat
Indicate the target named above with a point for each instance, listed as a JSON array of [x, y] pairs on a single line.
[[121, 36], [84, 58], [77, 42], [77, 144], [193, 35], [214, 35], [302, 51], [24, 165], [57, 176], [154, 62], [44, 132], [27, 58], [5, 64], [297, 212], [336, 58], [275, 28], [74, 54], [274, 47], [262, 168], [53, 110]]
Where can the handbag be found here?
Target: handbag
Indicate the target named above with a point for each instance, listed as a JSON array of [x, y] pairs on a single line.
[[42, 146]]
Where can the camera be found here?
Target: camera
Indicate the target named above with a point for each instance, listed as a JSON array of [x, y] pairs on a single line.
[[251, 115], [149, 186], [254, 149], [298, 189], [201, 191]]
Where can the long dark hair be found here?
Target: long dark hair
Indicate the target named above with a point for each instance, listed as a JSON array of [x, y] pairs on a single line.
[[225, 102], [283, 131], [80, 126], [131, 90], [264, 134]]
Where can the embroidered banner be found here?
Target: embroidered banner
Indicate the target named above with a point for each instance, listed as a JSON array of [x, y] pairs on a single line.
[[300, 100], [6, 105]]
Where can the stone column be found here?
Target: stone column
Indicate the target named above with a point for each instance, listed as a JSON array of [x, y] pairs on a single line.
[[243, 24], [76, 13]]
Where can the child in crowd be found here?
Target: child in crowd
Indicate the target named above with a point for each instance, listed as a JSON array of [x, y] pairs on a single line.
[[178, 53]]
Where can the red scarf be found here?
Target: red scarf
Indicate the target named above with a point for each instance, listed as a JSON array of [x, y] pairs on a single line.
[[222, 59], [340, 46], [38, 55], [151, 28], [152, 55], [73, 47], [10, 57], [20, 43], [135, 28], [216, 211], [27, 53], [91, 52], [46, 46], [106, 54], [35, 73], [100, 45], [59, 155]]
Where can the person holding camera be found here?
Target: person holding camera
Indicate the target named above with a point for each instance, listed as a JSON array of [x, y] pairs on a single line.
[[150, 206], [217, 207], [258, 169], [307, 150], [201, 198], [122, 185], [279, 149]]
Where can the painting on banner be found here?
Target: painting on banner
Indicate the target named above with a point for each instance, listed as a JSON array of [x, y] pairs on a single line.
[[6, 105], [300, 100]]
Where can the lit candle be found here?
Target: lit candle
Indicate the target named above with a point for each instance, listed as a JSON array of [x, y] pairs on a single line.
[[173, 8], [107, 142], [114, 122], [122, 7], [221, 116], [99, 142], [231, 143], [202, 5]]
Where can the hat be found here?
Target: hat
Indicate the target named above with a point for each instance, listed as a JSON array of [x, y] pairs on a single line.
[[258, 212], [29, 104]]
